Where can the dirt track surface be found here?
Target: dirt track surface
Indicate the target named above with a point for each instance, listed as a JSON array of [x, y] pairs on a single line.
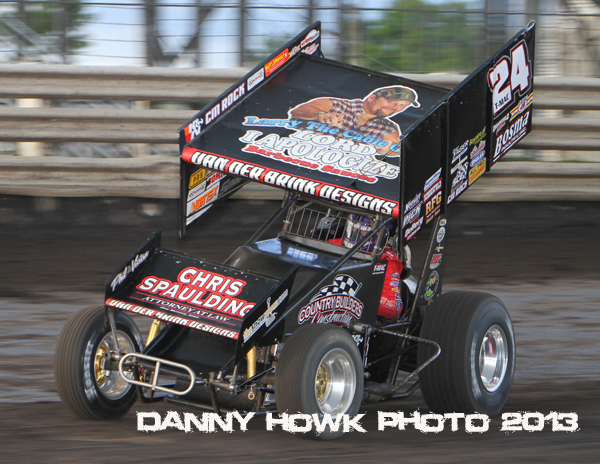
[[541, 259]]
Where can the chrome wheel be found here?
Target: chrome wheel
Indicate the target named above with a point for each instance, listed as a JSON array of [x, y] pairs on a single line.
[[110, 383], [493, 358], [335, 382]]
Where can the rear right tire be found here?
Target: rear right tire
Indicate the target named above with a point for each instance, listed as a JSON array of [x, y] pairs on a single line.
[[474, 371]]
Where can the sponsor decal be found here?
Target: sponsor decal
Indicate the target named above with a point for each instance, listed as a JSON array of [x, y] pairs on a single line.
[[208, 197], [414, 202], [233, 97], [436, 187], [412, 216], [459, 189], [310, 37], [217, 176], [334, 304], [318, 151], [479, 137], [334, 147], [443, 222], [500, 124], [212, 114], [311, 49], [196, 191], [276, 62], [477, 154], [294, 50], [509, 75], [255, 79], [436, 260], [441, 233], [197, 177], [412, 230], [431, 286], [186, 310], [128, 269], [265, 318], [432, 180], [348, 140], [287, 181], [433, 207], [197, 289], [511, 135], [459, 151], [379, 268], [522, 106], [358, 339], [172, 319], [216, 111], [477, 171], [196, 215], [193, 130], [437, 210], [461, 174]]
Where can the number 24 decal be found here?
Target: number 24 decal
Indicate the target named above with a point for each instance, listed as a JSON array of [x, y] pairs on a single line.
[[516, 69]]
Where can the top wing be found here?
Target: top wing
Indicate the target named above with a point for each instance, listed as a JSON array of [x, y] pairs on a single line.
[[341, 133], [314, 126]]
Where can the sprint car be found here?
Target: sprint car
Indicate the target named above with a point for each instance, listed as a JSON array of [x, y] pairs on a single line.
[[327, 314]]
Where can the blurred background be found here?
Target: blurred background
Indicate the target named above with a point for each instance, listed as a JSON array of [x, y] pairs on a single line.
[[389, 35], [214, 41]]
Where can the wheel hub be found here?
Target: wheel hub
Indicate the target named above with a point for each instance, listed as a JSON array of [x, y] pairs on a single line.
[[493, 358], [109, 381], [321, 383], [335, 382]]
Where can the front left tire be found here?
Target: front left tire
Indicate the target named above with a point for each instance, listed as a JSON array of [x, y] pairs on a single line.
[[320, 372], [87, 381]]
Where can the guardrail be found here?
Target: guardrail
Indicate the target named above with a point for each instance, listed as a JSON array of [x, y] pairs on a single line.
[[56, 82], [571, 125], [158, 177]]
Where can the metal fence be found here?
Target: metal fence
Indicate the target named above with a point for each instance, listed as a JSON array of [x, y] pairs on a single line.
[[391, 35]]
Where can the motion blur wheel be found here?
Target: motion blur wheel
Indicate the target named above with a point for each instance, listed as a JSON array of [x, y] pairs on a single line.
[[85, 364], [335, 383], [474, 371], [320, 372], [110, 382], [493, 358]]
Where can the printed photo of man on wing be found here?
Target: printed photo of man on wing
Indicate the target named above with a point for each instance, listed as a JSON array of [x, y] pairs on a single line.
[[366, 119]]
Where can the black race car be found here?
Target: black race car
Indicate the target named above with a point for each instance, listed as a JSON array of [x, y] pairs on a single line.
[[326, 315]]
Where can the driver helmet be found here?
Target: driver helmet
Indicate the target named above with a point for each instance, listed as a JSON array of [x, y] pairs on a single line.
[[356, 228]]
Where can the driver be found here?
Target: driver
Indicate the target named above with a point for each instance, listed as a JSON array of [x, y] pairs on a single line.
[[390, 303]]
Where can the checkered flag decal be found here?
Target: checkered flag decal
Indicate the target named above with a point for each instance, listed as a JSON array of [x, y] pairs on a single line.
[[342, 284]]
